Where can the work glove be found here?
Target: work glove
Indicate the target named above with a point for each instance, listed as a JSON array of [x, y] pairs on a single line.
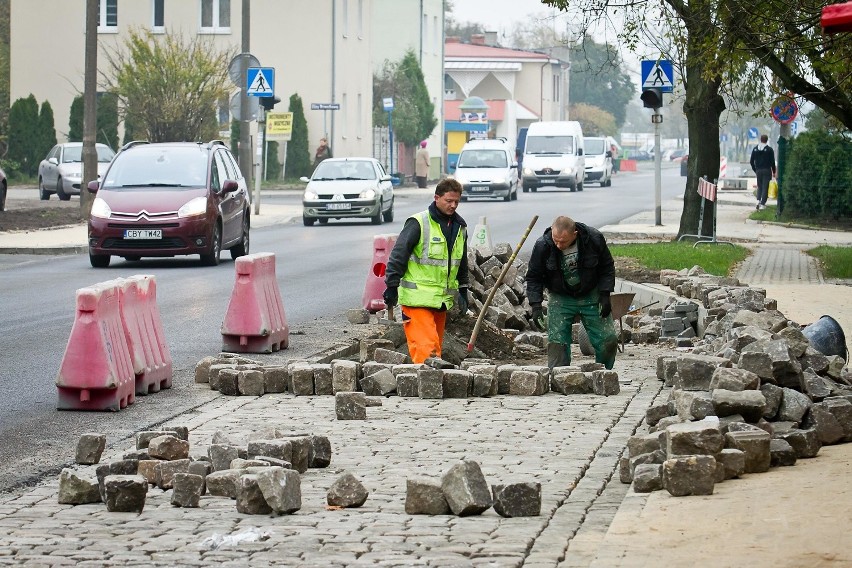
[[463, 305], [391, 296], [606, 305], [538, 318]]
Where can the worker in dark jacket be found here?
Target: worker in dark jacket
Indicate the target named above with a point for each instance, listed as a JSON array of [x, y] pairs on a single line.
[[427, 268], [572, 261]]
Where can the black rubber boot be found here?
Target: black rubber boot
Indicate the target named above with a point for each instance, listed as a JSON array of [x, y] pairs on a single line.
[[558, 355]]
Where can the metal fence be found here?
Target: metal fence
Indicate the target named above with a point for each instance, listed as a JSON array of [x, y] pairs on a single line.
[[381, 148]]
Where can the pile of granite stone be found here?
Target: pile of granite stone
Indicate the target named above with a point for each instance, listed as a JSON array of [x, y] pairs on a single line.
[[509, 308], [752, 394], [260, 472], [383, 371]]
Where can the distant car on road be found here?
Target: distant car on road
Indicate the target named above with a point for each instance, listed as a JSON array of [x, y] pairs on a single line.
[[61, 172], [343, 188], [170, 199], [3, 189], [676, 154], [639, 155]]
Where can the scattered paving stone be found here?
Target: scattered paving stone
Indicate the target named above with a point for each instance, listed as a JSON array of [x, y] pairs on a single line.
[[250, 499], [689, 475], [89, 449], [166, 471], [647, 477], [125, 493], [281, 488], [168, 448], [223, 483], [320, 453], [77, 490], [465, 489], [144, 438], [517, 499], [358, 316], [187, 490], [430, 383], [424, 496], [346, 492], [350, 406]]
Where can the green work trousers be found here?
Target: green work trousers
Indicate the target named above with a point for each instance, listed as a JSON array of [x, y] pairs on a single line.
[[560, 317]]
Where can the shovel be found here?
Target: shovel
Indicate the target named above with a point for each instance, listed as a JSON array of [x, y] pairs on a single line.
[[497, 285]]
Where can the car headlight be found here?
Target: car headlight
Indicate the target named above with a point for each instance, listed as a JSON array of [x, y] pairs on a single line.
[[101, 209], [193, 207], [74, 175], [501, 180], [368, 194], [569, 171], [528, 171], [311, 195]]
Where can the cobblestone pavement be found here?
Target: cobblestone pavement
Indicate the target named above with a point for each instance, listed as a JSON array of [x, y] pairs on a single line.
[[780, 264], [570, 444]]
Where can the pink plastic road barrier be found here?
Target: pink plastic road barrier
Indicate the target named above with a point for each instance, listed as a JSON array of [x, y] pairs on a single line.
[[375, 286], [255, 321], [143, 327], [96, 372], [627, 166]]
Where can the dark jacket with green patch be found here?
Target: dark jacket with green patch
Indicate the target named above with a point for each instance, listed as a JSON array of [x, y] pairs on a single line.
[[597, 269]]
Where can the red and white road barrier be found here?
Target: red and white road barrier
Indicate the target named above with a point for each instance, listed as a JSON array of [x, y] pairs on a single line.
[[373, 299]]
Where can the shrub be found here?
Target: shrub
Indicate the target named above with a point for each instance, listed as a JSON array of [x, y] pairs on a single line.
[[817, 182]]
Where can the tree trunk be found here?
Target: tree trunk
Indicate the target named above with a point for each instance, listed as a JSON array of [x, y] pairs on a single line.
[[703, 108]]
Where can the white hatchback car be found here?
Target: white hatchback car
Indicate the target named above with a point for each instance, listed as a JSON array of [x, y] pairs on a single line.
[[342, 188], [61, 171], [487, 168]]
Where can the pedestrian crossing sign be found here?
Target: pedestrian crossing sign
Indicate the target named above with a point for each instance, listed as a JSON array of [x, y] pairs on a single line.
[[658, 74], [260, 82]]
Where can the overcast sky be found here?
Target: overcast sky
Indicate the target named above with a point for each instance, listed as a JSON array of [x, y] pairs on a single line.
[[499, 15]]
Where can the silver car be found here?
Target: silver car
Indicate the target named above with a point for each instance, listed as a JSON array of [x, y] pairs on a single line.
[[348, 187], [61, 171]]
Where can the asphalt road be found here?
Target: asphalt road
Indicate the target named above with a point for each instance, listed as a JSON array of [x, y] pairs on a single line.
[[321, 272]]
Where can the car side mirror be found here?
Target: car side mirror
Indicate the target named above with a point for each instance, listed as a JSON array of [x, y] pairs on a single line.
[[514, 165], [304, 179], [230, 186], [579, 151], [53, 161], [385, 177], [93, 186], [608, 154]]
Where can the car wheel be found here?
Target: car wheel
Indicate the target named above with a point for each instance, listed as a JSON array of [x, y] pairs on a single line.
[[212, 258], [526, 189], [377, 218], [323, 221], [463, 198], [389, 213], [580, 186], [508, 196], [60, 193], [242, 248], [534, 189], [99, 260], [307, 221], [43, 194]]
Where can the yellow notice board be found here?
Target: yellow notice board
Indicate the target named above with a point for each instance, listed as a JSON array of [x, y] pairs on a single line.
[[279, 125]]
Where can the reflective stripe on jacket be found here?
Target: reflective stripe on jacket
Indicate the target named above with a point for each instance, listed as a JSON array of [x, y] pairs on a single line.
[[431, 275]]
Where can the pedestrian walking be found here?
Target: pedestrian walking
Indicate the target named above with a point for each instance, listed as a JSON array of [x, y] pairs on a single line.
[[323, 152], [421, 165], [763, 163], [572, 261], [427, 268]]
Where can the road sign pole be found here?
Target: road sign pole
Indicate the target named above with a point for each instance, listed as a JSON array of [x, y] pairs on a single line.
[[324, 128], [261, 137], [390, 139], [284, 163], [658, 201]]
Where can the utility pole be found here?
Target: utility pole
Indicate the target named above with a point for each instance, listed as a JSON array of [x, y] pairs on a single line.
[[90, 108], [245, 111]]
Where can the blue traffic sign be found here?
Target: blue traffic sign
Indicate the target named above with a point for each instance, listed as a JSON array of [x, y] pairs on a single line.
[[658, 74], [723, 138], [260, 82], [794, 128], [752, 133]]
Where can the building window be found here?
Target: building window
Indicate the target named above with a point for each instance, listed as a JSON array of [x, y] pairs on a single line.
[[360, 19], [556, 80], [216, 16], [344, 111], [159, 18], [360, 118], [107, 15], [436, 45]]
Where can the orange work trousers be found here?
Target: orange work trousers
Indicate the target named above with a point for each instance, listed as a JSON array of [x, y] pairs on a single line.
[[424, 331]]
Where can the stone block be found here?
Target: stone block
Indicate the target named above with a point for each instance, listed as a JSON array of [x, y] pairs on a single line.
[[828, 428], [250, 382], [350, 406], [320, 452], [773, 395], [213, 373], [344, 375], [166, 470], [750, 404], [805, 443], [369, 346], [346, 491], [438, 363], [125, 493], [796, 340], [406, 384], [755, 445], [524, 383], [228, 382], [144, 438], [605, 383], [456, 383], [223, 483], [424, 496], [302, 380], [571, 382], [357, 316], [202, 468], [484, 384], [148, 469], [274, 448], [695, 371], [732, 462], [187, 490], [300, 445], [815, 386], [202, 369], [794, 405], [465, 489], [168, 448], [647, 477], [77, 490], [121, 467], [734, 379], [517, 499], [430, 383], [89, 449], [689, 475], [781, 453], [390, 356], [656, 413], [323, 384], [222, 455], [250, 499], [645, 443], [757, 362], [692, 405], [688, 438], [406, 369], [382, 383], [275, 379], [281, 488], [504, 373]]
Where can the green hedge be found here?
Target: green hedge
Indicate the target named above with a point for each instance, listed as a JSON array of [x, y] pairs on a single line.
[[818, 178]]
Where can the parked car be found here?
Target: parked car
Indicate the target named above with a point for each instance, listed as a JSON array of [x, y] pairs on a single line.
[[170, 199], [345, 188], [639, 155], [61, 171], [676, 154], [598, 160], [4, 187], [487, 168]]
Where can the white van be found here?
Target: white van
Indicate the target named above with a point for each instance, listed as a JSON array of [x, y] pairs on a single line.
[[598, 157], [553, 156], [487, 168]]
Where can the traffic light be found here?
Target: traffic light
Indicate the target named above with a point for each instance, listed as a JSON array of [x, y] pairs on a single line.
[[652, 97], [269, 102]]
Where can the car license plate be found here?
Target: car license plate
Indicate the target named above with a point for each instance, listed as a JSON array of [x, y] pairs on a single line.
[[547, 181], [338, 206], [143, 234], [479, 188]]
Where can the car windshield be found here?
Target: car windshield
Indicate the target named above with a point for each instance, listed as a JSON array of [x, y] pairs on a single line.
[[347, 170], [75, 154], [550, 144], [482, 159], [152, 166], [595, 146]]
